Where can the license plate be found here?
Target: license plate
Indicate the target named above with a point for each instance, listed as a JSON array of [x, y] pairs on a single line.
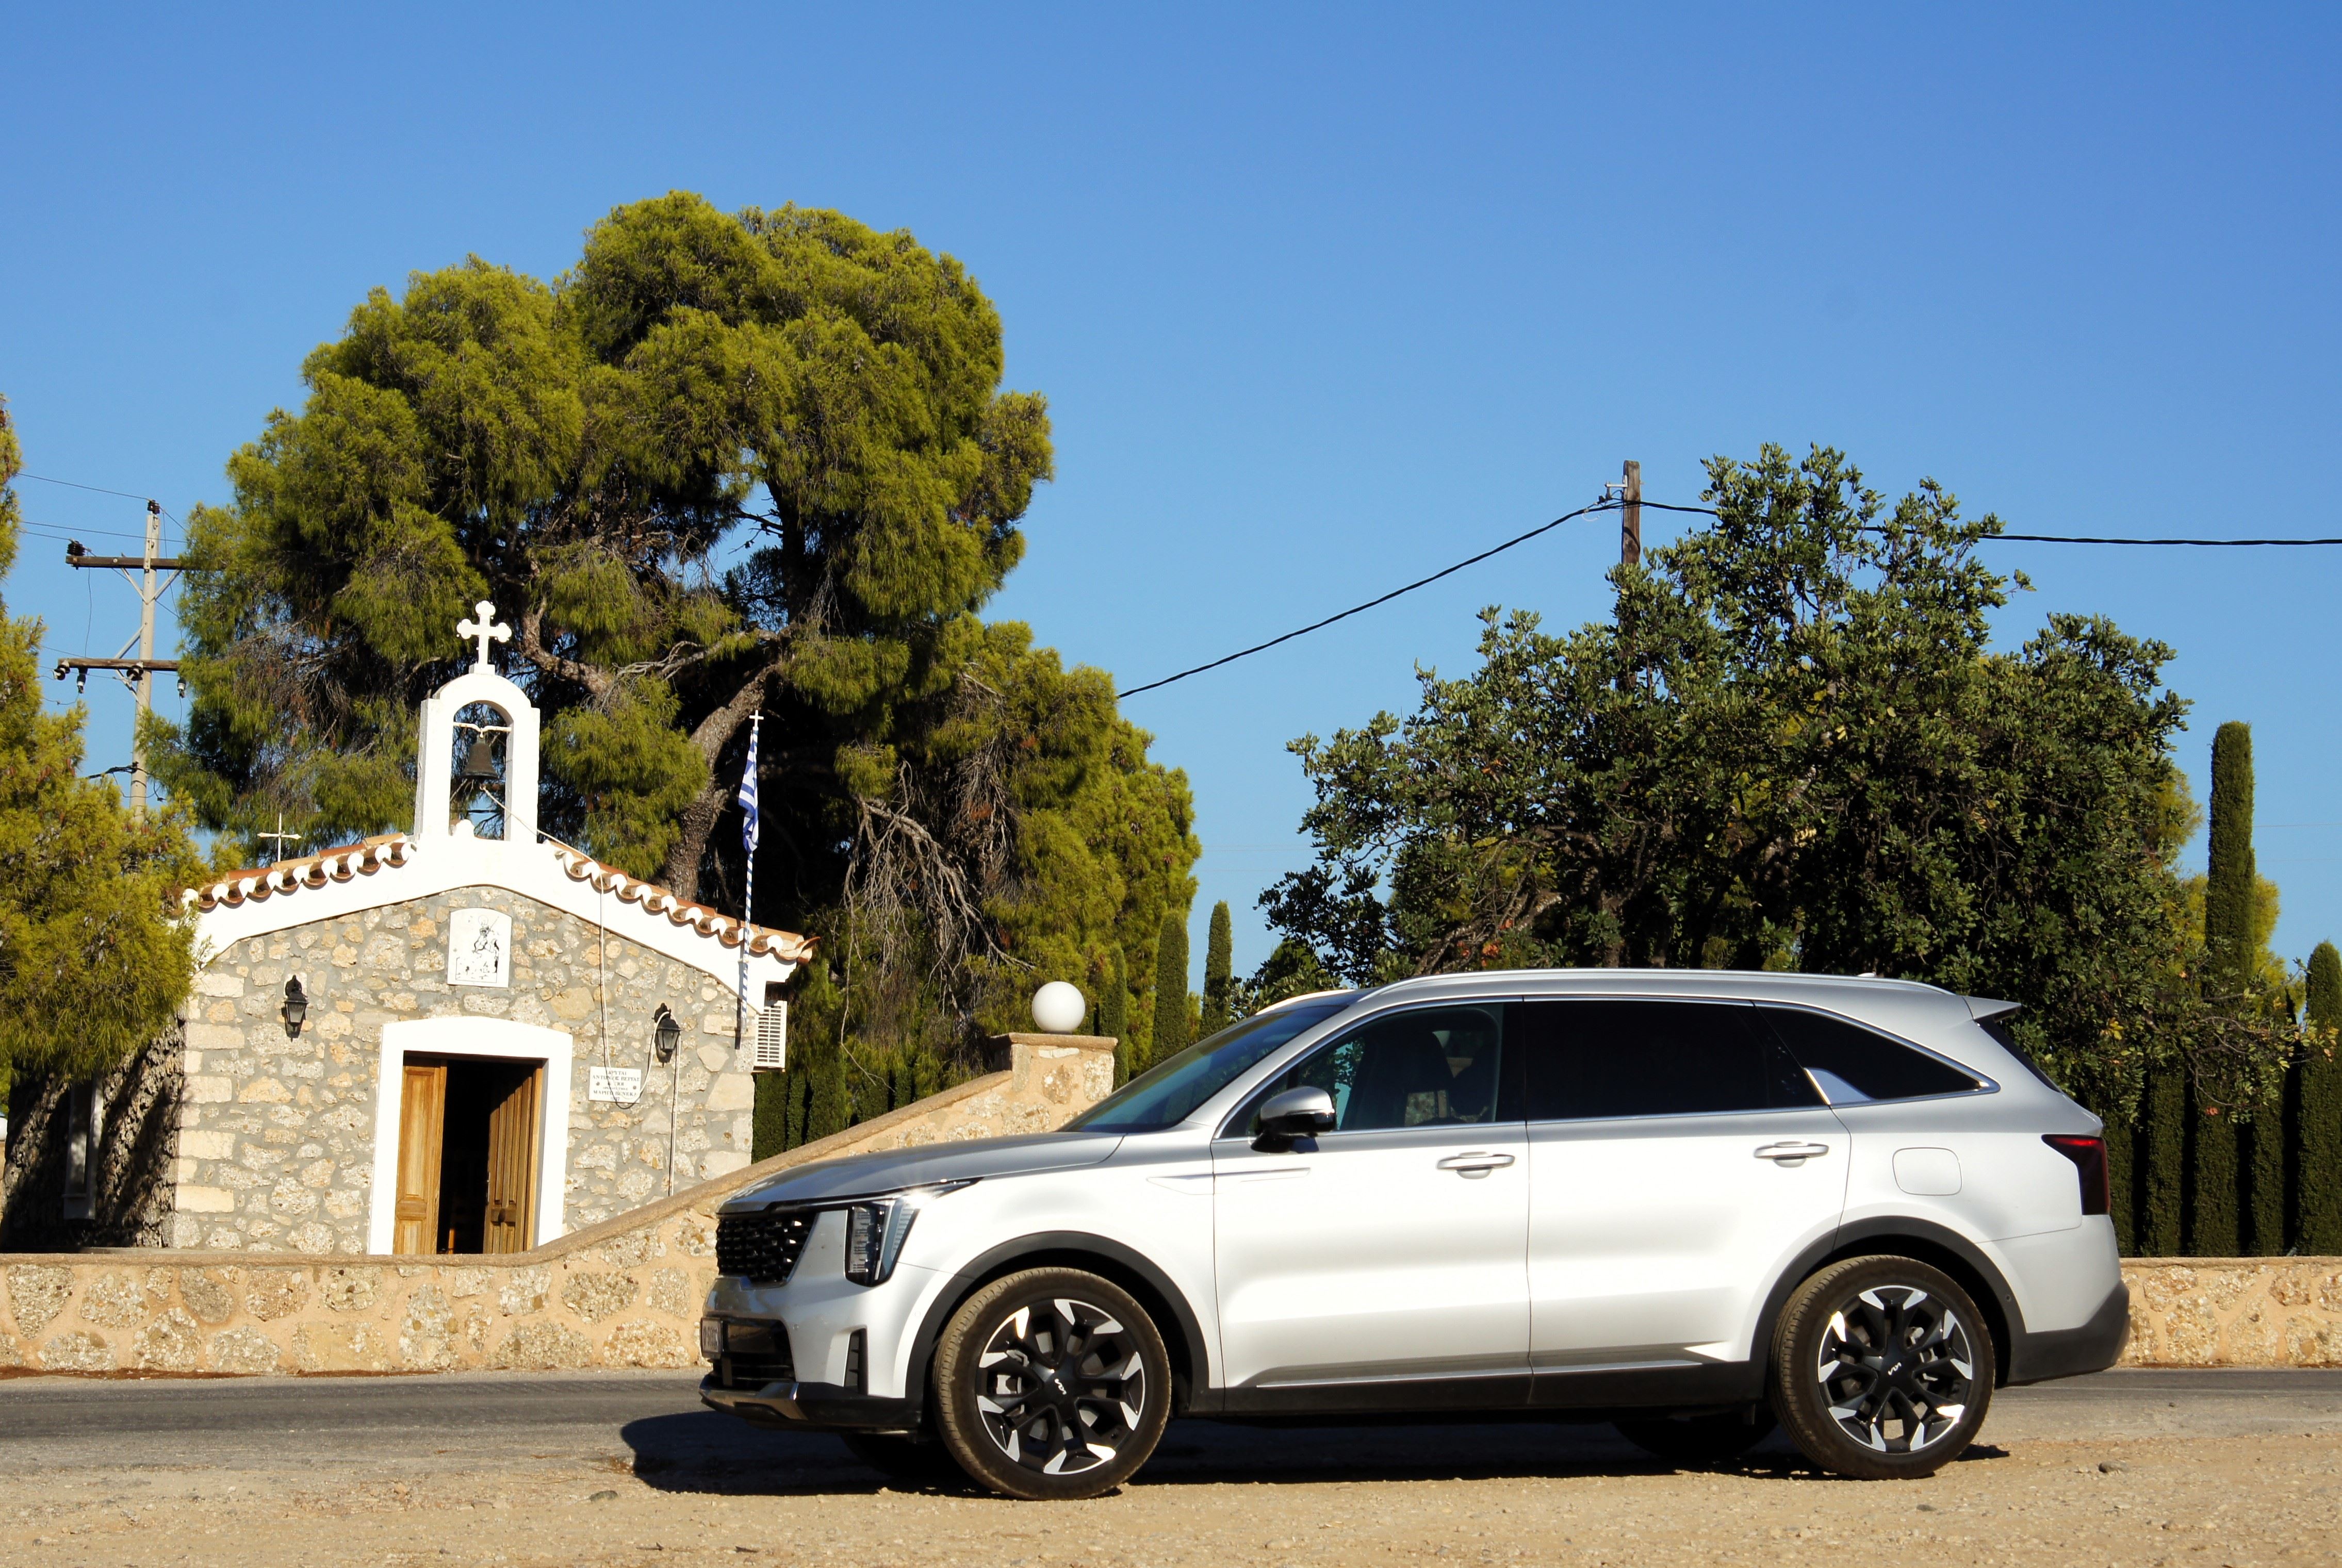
[[711, 1337]]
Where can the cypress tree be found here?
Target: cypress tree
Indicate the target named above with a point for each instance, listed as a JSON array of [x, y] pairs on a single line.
[[2318, 1230], [2229, 878], [1170, 989], [1219, 978], [1114, 1012], [2121, 1176], [2215, 1196], [2158, 1152], [771, 1135]]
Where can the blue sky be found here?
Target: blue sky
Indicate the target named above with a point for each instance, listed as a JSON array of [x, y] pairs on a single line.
[[1322, 298]]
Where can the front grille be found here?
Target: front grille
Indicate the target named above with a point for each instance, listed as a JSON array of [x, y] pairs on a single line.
[[755, 1353], [761, 1248]]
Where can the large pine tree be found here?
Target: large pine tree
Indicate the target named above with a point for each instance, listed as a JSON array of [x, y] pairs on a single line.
[[953, 811]]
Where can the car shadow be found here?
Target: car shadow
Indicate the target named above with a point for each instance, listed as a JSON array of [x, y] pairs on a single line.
[[702, 1451]]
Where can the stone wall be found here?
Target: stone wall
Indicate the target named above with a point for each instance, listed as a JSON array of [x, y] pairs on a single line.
[[274, 1148], [624, 1293], [2234, 1312]]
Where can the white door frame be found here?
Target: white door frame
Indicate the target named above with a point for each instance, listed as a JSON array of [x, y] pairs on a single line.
[[469, 1036]]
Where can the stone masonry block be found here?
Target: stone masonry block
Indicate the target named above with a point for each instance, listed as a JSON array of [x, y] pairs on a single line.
[[210, 1294], [78, 1353], [348, 1290], [523, 1290], [542, 1346], [597, 1296], [38, 1293], [638, 1343], [244, 1352], [276, 1292], [171, 1343]]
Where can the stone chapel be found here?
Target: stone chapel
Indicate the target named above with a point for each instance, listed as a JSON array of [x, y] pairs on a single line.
[[468, 1037]]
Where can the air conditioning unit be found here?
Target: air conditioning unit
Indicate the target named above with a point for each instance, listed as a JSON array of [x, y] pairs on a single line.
[[769, 1050]]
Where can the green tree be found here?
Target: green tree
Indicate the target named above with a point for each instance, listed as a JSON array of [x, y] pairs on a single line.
[[1294, 969], [1219, 978], [1793, 746], [95, 954], [816, 402], [1170, 989], [2215, 1151], [2320, 1150], [1114, 1012]]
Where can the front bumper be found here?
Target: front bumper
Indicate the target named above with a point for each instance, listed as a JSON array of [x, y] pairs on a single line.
[[809, 1406]]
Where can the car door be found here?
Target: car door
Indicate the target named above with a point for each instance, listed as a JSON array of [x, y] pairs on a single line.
[[1393, 1248], [1678, 1160]]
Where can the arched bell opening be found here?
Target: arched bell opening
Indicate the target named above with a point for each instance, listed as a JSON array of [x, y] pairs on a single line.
[[479, 789]]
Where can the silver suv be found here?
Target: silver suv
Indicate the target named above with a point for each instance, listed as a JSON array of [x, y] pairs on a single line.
[[1692, 1202]]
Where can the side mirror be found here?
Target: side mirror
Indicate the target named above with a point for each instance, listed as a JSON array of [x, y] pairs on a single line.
[[1302, 1113]]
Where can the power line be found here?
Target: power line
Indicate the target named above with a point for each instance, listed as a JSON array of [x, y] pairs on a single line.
[[1609, 504], [76, 484], [1384, 599], [2068, 538]]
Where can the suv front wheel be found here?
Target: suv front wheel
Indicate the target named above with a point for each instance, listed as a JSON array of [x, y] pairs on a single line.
[[1051, 1382], [1882, 1368]]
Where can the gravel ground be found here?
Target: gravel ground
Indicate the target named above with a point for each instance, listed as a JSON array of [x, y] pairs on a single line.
[[2126, 1468]]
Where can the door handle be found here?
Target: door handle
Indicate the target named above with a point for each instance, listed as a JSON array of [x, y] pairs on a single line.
[[1473, 1167], [1790, 1154]]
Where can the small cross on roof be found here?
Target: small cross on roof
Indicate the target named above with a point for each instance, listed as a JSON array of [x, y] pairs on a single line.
[[485, 630]]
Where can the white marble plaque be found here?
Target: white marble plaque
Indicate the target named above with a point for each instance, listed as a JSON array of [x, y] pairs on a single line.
[[622, 1084], [479, 947]]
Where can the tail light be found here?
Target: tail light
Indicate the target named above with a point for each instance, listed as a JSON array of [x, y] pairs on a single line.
[[2089, 1157]]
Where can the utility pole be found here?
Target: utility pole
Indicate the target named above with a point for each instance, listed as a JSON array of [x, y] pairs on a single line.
[[144, 666], [1630, 514]]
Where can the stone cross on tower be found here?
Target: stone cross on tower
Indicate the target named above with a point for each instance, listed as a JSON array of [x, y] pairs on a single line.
[[485, 630]]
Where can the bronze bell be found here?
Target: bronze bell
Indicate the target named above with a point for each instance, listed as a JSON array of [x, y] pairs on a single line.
[[479, 763]]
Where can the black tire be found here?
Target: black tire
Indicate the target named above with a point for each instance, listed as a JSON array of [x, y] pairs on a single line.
[[1883, 1369], [1693, 1441], [1051, 1383], [914, 1461]]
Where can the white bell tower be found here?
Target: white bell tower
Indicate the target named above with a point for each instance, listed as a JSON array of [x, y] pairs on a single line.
[[434, 765]]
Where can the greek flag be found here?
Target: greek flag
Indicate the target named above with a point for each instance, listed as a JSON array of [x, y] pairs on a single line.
[[749, 793]]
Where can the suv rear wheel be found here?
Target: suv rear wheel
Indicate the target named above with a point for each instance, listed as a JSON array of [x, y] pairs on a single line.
[[1051, 1383], [1882, 1368]]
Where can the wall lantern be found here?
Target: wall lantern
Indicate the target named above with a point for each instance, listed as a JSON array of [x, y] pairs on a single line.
[[666, 1033], [296, 1007]]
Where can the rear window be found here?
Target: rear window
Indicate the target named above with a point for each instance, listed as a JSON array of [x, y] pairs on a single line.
[[1850, 1063], [2005, 1037], [1593, 1059]]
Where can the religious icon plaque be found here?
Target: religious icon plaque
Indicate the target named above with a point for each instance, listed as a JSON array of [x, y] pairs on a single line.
[[479, 947]]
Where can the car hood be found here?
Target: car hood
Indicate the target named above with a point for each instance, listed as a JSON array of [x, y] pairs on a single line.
[[852, 1175]]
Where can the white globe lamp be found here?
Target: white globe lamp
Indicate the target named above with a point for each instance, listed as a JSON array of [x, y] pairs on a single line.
[[1059, 1008]]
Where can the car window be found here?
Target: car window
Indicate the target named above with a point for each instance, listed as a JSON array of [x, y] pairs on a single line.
[[1168, 1093], [1598, 1058], [1428, 1067], [1851, 1064]]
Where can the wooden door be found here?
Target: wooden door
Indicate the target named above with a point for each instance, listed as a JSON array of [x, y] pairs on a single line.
[[513, 1167], [422, 1122]]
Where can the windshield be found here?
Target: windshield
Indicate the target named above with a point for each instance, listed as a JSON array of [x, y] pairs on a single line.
[[1167, 1093]]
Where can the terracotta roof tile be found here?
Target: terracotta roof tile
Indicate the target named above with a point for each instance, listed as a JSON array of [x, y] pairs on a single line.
[[388, 850]]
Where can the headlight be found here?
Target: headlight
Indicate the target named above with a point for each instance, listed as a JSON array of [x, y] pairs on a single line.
[[877, 1228]]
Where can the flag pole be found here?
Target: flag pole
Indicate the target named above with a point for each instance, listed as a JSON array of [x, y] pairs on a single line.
[[748, 899]]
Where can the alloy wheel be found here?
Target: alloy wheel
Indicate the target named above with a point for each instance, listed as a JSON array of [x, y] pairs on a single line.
[[1063, 1387], [1896, 1368]]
